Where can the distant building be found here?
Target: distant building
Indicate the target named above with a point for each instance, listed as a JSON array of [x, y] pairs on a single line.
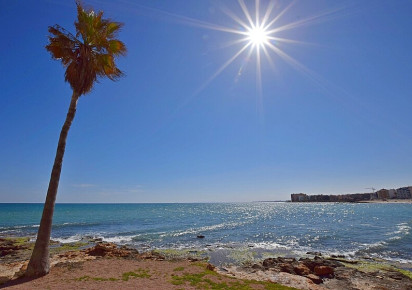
[[373, 195], [383, 194], [299, 197], [403, 192], [392, 193]]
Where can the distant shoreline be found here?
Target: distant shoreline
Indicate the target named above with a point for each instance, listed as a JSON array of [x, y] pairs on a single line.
[[407, 201], [387, 201]]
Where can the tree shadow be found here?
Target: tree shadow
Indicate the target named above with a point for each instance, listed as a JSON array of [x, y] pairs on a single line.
[[17, 281]]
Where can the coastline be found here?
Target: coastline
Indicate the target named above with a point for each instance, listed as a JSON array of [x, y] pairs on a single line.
[[408, 201], [100, 265]]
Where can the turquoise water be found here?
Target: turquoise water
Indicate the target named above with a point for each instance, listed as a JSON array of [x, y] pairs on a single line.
[[355, 230]]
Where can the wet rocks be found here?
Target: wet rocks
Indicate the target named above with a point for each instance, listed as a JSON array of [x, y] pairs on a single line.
[[314, 253], [315, 279], [301, 269], [9, 247], [323, 270], [315, 269], [110, 250]]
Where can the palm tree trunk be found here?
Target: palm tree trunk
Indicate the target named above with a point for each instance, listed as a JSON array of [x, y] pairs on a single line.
[[39, 264]]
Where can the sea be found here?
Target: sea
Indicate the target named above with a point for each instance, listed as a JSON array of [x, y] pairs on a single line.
[[256, 229]]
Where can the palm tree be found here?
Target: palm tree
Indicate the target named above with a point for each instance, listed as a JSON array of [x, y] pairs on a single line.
[[87, 55]]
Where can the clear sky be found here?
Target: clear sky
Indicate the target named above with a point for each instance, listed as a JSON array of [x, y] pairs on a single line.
[[327, 113]]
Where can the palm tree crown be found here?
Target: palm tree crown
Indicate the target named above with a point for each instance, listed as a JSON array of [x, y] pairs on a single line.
[[92, 57]]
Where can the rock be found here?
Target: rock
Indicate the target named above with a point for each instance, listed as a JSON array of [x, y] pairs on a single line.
[[314, 253], [152, 256], [311, 264], [285, 267], [8, 247], [338, 256], [257, 267], [295, 281], [110, 250], [301, 269], [269, 263], [285, 260], [210, 267], [314, 278], [323, 270], [317, 258]]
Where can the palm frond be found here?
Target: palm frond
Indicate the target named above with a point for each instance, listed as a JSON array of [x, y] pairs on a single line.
[[92, 57]]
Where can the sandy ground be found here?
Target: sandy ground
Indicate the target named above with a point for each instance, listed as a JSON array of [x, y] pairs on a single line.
[[118, 273], [108, 274]]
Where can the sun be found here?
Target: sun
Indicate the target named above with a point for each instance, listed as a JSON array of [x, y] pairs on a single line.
[[258, 36]]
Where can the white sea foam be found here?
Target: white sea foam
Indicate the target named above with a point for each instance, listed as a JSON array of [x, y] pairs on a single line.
[[118, 239], [205, 229], [71, 239], [269, 245]]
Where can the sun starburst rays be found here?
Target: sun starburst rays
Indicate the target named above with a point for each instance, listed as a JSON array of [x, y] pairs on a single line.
[[257, 36]]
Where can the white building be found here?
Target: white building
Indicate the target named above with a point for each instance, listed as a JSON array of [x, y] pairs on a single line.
[[392, 193], [404, 192]]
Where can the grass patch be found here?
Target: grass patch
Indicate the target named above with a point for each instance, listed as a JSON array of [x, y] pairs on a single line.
[[176, 254], [373, 267], [203, 280], [200, 281], [67, 247], [178, 269], [140, 273], [18, 241]]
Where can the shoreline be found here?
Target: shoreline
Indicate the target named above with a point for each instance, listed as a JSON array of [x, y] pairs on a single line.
[[404, 201], [298, 272]]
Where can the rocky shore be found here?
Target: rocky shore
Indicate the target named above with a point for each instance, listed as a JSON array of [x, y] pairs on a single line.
[[100, 266], [324, 273]]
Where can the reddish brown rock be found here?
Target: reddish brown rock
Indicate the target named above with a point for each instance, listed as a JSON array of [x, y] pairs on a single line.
[[323, 270], [285, 267], [110, 250], [210, 267], [301, 269], [315, 279]]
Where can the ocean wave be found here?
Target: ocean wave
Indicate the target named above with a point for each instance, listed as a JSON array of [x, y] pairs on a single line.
[[118, 239], [66, 240], [402, 230], [205, 229], [268, 245]]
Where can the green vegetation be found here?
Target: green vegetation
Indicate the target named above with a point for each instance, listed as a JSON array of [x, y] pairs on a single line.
[[19, 241], [178, 269], [176, 254], [365, 266], [68, 247], [140, 273], [203, 280]]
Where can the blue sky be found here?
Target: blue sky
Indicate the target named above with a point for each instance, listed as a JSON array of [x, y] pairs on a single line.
[[337, 121]]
